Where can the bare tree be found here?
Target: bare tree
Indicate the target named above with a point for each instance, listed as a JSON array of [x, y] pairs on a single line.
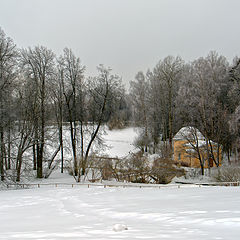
[[233, 94], [58, 105], [24, 126], [194, 146], [201, 99], [71, 74], [139, 92], [38, 64], [102, 89], [8, 54], [167, 74]]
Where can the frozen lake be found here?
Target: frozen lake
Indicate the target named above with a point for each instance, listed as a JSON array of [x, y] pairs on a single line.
[[82, 213]]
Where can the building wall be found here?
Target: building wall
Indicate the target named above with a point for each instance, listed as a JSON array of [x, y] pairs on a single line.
[[186, 156]]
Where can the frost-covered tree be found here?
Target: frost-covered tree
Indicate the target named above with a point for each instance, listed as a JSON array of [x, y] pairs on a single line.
[[234, 99], [200, 97], [165, 84], [8, 69], [153, 98], [139, 92]]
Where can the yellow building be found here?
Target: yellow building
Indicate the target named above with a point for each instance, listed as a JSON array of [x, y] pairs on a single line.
[[190, 149]]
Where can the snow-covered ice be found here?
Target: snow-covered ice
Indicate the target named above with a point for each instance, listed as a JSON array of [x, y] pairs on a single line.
[[149, 213], [120, 142]]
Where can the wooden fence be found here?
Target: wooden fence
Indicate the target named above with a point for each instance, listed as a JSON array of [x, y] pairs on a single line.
[[88, 185]]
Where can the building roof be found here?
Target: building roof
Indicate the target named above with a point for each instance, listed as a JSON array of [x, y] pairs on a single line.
[[188, 133]]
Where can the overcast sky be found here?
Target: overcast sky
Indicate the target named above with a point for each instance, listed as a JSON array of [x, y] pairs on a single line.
[[127, 35]]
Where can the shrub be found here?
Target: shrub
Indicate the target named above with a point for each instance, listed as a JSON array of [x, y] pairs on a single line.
[[228, 174], [163, 171], [135, 168], [142, 142], [192, 173], [107, 170], [116, 123]]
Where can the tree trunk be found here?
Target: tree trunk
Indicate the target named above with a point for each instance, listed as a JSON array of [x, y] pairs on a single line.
[[74, 150], [35, 144], [61, 146], [96, 131], [1, 154], [208, 157], [73, 137], [228, 156], [82, 153], [9, 147], [202, 169], [42, 136], [19, 164], [34, 157], [53, 157], [39, 165]]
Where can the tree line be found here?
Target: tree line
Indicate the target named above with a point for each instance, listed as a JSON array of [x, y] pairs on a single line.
[[203, 94], [39, 89]]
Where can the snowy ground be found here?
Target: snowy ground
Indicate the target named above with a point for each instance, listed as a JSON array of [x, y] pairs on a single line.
[[116, 142], [82, 213], [120, 142], [91, 213]]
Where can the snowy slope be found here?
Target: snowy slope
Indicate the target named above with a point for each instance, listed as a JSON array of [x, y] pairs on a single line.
[[82, 213]]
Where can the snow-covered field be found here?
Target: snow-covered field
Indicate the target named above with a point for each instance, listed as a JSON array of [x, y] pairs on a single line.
[[188, 213], [116, 142], [120, 142], [91, 213]]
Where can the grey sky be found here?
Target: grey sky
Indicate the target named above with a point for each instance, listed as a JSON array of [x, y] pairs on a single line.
[[127, 35]]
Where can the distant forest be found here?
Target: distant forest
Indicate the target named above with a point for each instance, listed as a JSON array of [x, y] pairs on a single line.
[[39, 90]]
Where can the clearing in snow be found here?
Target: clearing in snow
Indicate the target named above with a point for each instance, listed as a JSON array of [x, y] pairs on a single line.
[[93, 213]]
